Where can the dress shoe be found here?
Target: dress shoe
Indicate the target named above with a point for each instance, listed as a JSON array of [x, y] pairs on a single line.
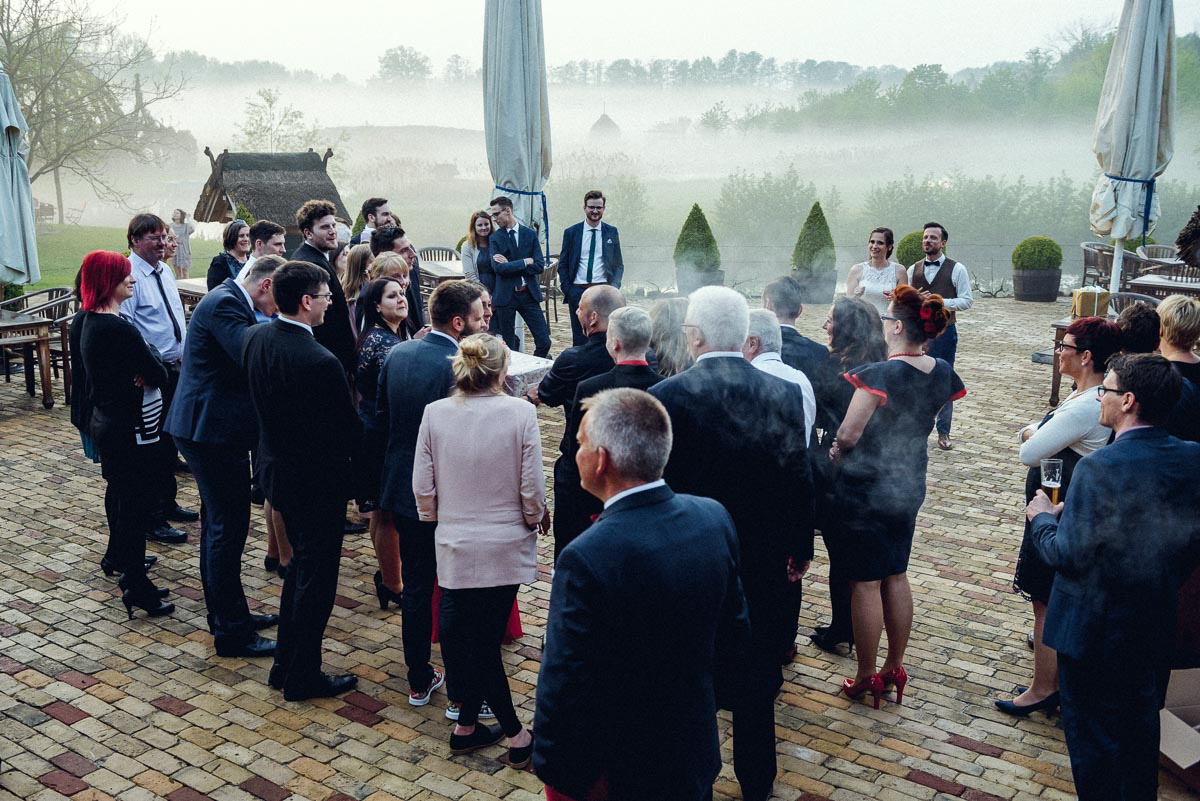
[[264, 621], [181, 515], [831, 641], [110, 570], [353, 527], [1029, 640], [482, 737], [384, 594], [276, 678], [256, 496], [271, 565], [252, 648], [166, 534], [872, 684], [944, 442], [325, 685], [518, 758], [1047, 705], [896, 679], [137, 590]]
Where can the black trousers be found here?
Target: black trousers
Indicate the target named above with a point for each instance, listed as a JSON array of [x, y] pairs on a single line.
[[222, 473], [472, 626], [315, 531], [1111, 729], [573, 505], [128, 507], [840, 622], [522, 303], [418, 571], [754, 762]]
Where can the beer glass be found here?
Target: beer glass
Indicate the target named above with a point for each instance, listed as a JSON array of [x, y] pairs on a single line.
[[1052, 477]]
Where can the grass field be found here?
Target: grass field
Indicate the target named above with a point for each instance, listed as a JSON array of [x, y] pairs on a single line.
[[61, 249]]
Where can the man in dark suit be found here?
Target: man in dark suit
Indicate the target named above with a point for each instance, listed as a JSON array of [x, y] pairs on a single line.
[[415, 374], [318, 225], [739, 439], [1128, 537], [590, 256], [626, 341], [392, 239], [517, 261], [376, 214], [308, 429], [617, 656], [212, 421], [783, 298]]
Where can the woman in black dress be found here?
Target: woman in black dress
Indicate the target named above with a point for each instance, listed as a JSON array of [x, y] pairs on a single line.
[[384, 311], [124, 379], [855, 338], [229, 262], [882, 451]]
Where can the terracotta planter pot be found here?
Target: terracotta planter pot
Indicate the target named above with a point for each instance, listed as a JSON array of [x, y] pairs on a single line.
[[688, 281], [1040, 286]]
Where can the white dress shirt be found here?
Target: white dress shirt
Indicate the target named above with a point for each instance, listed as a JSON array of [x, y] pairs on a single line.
[[146, 311], [632, 490], [599, 274], [772, 363], [960, 277]]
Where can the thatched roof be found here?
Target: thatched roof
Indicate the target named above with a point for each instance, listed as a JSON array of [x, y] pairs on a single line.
[[604, 127], [272, 186]]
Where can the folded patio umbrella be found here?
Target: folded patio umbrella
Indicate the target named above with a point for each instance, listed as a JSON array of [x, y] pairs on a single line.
[[18, 242]]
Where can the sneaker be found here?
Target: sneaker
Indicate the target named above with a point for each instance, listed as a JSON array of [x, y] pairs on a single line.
[[485, 712], [421, 698]]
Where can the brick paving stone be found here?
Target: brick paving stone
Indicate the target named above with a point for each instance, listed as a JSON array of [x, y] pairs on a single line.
[[146, 701]]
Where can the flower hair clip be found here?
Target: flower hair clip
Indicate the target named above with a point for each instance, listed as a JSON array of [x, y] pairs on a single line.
[[926, 314]]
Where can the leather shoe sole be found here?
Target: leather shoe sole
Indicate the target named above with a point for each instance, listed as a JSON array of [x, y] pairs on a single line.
[[327, 686], [264, 621], [259, 646]]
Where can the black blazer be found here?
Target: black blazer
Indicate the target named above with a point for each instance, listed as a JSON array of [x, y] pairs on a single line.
[[803, 354], [510, 273], [415, 374], [308, 428], [739, 439], [212, 401], [572, 249], [1128, 538], [636, 376], [576, 363], [639, 603], [335, 332]]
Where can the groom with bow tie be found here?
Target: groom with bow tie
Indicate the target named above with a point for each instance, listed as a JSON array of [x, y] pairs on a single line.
[[939, 274]]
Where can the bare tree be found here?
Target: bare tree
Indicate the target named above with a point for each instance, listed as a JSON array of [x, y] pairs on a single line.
[[271, 127], [76, 79]]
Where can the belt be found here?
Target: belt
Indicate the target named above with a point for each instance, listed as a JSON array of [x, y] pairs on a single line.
[[597, 283], [521, 288]]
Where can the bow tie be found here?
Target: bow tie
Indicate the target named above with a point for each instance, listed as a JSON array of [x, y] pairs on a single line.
[[929, 263]]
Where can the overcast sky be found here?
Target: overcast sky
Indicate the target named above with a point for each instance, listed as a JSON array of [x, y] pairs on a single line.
[[349, 37]]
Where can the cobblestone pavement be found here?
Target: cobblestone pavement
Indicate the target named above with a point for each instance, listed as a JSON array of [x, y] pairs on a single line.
[[93, 706]]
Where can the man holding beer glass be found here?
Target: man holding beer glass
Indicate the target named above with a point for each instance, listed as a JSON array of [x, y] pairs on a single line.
[[1051, 449]]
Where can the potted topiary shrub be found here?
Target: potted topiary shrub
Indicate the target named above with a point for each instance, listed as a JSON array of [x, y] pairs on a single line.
[[909, 249], [697, 258], [1037, 269], [813, 259]]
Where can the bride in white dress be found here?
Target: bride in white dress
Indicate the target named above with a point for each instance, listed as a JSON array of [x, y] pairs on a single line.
[[875, 279]]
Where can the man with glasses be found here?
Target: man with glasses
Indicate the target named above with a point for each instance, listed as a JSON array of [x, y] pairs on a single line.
[[518, 264], [1121, 546], [157, 312], [308, 429], [590, 256]]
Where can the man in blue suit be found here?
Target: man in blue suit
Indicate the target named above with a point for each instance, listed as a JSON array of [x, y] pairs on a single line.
[[1128, 537], [590, 256], [415, 374], [642, 604], [212, 421], [517, 261]]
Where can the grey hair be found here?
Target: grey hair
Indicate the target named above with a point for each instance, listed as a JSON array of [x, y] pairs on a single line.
[[630, 326], [722, 316], [263, 267], [633, 428], [765, 325]]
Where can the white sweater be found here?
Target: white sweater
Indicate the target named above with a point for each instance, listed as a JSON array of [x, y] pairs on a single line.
[[1075, 424]]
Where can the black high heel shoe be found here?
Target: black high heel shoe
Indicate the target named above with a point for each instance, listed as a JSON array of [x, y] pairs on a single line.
[[271, 565], [138, 591], [384, 594], [830, 641], [110, 570]]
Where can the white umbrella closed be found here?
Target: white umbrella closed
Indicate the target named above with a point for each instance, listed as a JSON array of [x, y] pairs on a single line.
[[1135, 124], [18, 242], [516, 110]]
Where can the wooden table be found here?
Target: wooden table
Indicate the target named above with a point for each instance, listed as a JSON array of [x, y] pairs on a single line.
[[191, 292], [1161, 286], [26, 329]]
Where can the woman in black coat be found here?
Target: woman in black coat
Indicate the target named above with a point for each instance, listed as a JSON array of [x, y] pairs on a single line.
[[229, 262]]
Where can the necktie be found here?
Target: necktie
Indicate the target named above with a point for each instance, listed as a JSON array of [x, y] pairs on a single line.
[[170, 312], [591, 256], [512, 235]]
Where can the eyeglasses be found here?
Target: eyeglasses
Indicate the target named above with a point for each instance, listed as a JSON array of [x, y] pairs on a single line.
[[887, 317], [594, 208], [322, 295], [1100, 390], [1058, 346], [154, 238]]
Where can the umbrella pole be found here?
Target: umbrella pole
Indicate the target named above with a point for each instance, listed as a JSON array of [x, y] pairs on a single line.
[[1114, 281]]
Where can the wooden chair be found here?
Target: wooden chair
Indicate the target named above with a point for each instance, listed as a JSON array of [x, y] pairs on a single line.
[[549, 283], [1097, 263], [1160, 252], [40, 303], [1120, 301], [439, 253]]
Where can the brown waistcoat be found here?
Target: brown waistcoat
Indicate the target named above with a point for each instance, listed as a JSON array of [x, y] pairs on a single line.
[[942, 284]]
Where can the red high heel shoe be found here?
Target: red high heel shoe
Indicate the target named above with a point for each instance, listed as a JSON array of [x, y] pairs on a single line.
[[872, 684], [896, 678]]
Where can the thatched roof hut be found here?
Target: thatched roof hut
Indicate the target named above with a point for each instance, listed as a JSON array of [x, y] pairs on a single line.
[[272, 186], [605, 128]]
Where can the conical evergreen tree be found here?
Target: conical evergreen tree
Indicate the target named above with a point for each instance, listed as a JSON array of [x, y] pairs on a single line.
[[360, 223], [696, 247], [814, 252]]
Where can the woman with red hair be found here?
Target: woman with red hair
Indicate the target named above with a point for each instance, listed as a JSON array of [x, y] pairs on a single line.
[[124, 376], [882, 451]]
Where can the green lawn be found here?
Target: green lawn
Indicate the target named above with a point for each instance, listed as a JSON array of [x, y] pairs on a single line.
[[61, 249]]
